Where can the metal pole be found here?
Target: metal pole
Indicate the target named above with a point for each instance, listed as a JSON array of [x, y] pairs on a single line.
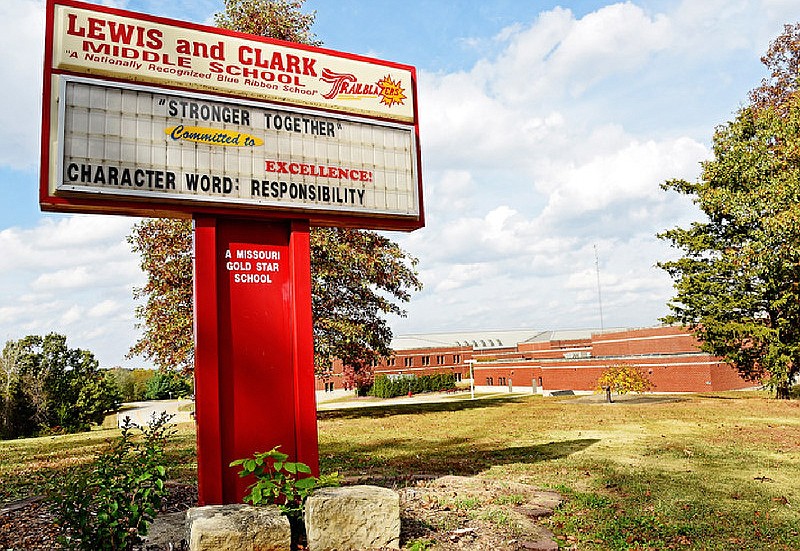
[[599, 296], [471, 378]]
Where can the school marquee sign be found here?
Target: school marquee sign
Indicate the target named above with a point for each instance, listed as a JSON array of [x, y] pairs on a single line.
[[144, 115]]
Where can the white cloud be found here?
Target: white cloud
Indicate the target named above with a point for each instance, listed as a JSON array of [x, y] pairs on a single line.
[[449, 192], [71, 278], [630, 174], [465, 275], [72, 315], [62, 242], [22, 44], [559, 144], [714, 28], [560, 54], [72, 275], [104, 309]]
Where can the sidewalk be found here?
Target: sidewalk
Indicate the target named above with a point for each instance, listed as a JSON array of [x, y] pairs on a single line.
[[142, 412], [339, 399]]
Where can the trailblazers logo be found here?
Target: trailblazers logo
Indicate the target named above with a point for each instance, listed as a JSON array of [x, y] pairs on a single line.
[[391, 91], [346, 86]]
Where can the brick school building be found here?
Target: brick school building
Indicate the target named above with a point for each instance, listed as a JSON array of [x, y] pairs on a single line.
[[551, 361]]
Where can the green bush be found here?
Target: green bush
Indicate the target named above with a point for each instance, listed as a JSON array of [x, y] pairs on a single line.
[[165, 385], [384, 387], [109, 506]]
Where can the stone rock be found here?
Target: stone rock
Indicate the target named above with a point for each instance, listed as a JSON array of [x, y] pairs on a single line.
[[352, 518], [168, 531], [237, 528]]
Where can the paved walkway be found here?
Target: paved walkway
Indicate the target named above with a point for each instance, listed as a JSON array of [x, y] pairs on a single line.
[[335, 402], [141, 412]]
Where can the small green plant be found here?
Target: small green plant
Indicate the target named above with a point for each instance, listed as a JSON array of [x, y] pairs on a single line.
[[497, 517], [510, 499], [420, 545], [286, 484], [109, 506], [279, 482]]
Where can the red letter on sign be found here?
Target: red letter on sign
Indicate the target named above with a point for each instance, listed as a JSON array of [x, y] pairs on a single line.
[[71, 28]]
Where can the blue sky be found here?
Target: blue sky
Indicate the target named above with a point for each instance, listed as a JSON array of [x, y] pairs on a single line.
[[546, 129]]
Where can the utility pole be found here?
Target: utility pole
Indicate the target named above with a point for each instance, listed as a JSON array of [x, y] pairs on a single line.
[[599, 294]]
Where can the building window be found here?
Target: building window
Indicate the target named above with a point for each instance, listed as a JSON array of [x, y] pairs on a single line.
[[439, 360], [426, 360], [408, 362], [489, 381], [391, 362], [458, 377], [456, 358]]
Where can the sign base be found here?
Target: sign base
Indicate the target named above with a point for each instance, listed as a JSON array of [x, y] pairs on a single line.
[[254, 356]]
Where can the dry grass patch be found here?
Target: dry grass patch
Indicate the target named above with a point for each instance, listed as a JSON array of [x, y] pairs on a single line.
[[699, 472]]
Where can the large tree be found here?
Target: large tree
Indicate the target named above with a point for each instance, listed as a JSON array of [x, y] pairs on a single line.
[[357, 276], [165, 248], [738, 282], [280, 19]]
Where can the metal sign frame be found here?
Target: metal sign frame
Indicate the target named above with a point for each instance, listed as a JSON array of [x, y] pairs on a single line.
[[93, 145]]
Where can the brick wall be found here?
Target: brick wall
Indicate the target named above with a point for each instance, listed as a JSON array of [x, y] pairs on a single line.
[[662, 340], [669, 356], [724, 377]]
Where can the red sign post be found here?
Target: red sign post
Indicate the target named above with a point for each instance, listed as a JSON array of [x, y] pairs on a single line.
[[254, 366], [255, 140]]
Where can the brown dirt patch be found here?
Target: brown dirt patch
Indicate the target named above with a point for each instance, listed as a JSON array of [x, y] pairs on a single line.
[[456, 512]]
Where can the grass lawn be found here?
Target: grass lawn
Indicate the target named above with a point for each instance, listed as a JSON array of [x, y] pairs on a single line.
[[716, 471], [33, 466], [719, 471]]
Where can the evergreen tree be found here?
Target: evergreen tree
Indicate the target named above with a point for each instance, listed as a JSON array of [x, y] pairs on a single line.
[[738, 282], [165, 385]]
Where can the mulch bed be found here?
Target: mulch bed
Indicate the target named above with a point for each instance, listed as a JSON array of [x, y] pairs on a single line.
[[30, 525], [450, 513]]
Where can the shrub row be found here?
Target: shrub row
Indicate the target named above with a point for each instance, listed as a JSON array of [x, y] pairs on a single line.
[[384, 387]]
